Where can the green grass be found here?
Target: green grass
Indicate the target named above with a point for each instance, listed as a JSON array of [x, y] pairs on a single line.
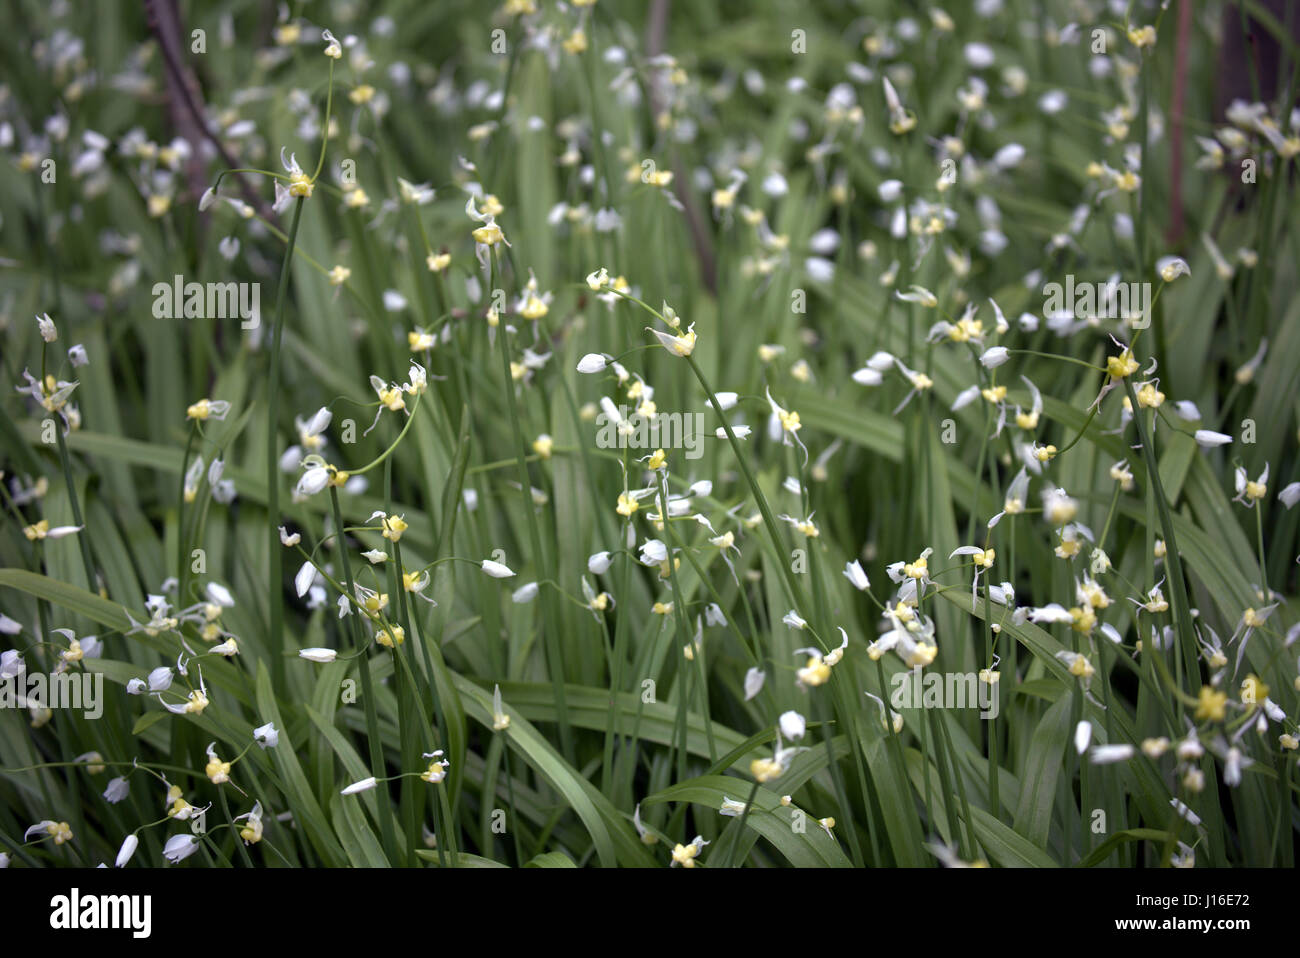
[[624, 729]]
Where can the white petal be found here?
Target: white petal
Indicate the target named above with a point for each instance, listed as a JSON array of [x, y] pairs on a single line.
[[591, 363], [129, 845], [793, 725], [1209, 439], [496, 570], [303, 580], [1082, 736]]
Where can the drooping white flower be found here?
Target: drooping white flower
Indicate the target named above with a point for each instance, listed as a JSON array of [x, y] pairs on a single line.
[[995, 356], [1169, 268], [180, 847], [1290, 494], [117, 790], [1109, 754], [129, 845], [1082, 736], [304, 578], [267, 736], [1208, 439], [793, 725], [854, 573], [496, 570]]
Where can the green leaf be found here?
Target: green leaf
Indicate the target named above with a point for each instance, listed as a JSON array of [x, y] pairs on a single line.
[[810, 848], [1043, 767]]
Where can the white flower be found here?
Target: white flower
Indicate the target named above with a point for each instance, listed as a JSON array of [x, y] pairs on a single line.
[[995, 356], [592, 363], [267, 736], [287, 540], [220, 595], [966, 397], [1009, 156], [731, 808], [890, 190], [129, 845], [1249, 492], [754, 679], [653, 552], [318, 655], [685, 855], [1169, 268], [77, 355], [49, 332], [496, 570], [160, 679], [417, 194], [1290, 495], [500, 720], [793, 619], [1053, 612], [39, 531], [180, 847], [304, 578], [793, 725], [682, 344], [1208, 439], [365, 785], [524, 594], [313, 481], [918, 294], [853, 572], [1107, 754], [117, 790], [1082, 736], [11, 664], [599, 563]]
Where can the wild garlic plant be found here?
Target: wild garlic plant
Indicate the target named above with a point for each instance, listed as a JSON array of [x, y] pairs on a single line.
[[867, 440]]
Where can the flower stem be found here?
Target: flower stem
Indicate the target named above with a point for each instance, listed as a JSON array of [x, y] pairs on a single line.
[[275, 636], [382, 805], [555, 658], [77, 519]]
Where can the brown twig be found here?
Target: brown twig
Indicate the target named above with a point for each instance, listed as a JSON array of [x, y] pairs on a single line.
[[185, 98]]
